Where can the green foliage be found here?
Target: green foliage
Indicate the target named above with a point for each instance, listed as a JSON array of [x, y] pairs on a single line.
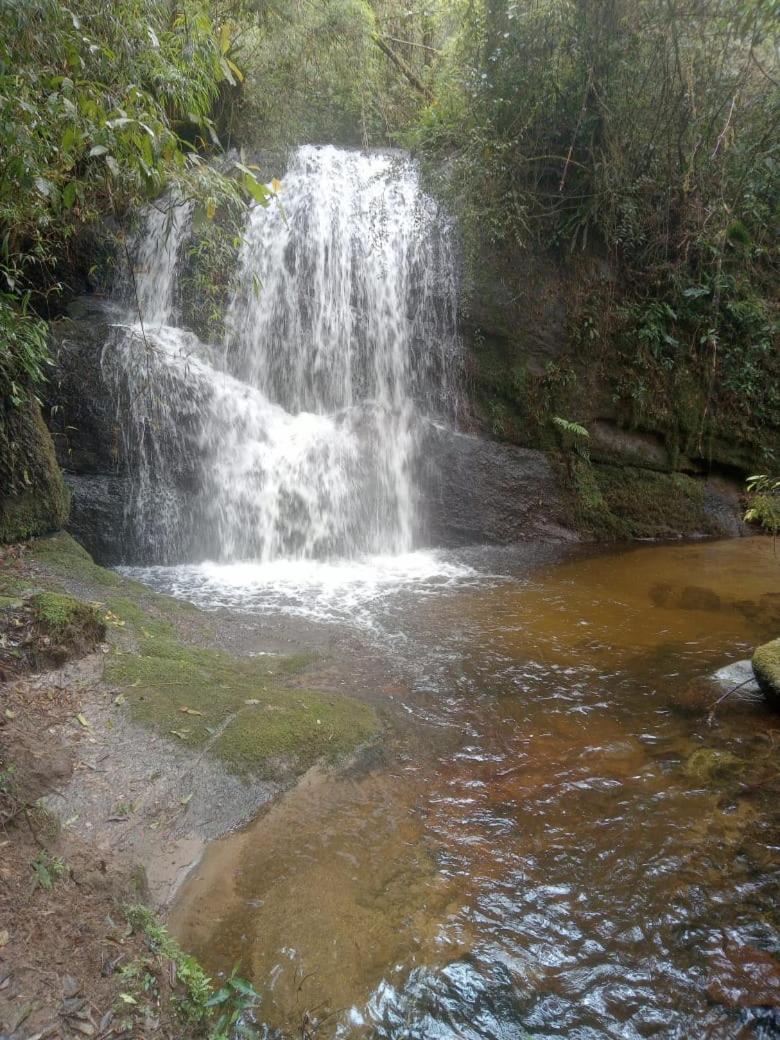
[[232, 1001], [642, 133], [310, 70], [48, 869], [764, 502], [574, 429], [221, 1013], [210, 263], [101, 106], [23, 350]]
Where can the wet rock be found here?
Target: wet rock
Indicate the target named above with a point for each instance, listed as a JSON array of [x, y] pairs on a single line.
[[766, 665], [477, 491], [611, 443], [723, 506], [97, 516]]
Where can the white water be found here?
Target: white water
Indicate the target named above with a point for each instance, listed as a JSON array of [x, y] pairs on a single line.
[[295, 439]]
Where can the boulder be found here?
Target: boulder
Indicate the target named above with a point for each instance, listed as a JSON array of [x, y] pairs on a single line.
[[766, 666]]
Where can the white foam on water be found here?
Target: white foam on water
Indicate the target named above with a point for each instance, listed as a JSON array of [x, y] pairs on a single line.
[[354, 591]]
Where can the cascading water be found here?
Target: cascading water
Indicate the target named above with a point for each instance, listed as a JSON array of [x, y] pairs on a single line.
[[297, 437]]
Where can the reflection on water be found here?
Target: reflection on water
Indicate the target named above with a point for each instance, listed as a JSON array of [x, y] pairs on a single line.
[[556, 842]]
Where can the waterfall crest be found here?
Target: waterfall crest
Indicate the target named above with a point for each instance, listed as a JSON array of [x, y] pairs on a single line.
[[297, 437]]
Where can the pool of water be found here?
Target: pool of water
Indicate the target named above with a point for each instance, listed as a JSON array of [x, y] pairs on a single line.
[[557, 840]]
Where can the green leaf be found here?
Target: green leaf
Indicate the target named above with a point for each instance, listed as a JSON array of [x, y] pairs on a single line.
[[219, 997], [258, 191], [69, 138], [244, 987], [69, 194]]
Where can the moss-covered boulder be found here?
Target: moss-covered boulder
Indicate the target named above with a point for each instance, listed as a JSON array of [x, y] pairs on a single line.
[[766, 666], [46, 630], [33, 496]]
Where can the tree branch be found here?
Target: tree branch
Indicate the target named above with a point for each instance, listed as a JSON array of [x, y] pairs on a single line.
[[403, 68]]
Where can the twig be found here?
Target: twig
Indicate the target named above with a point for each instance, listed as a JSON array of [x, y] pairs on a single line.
[[723, 696]]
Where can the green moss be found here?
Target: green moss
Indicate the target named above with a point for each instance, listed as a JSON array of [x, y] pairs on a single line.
[[34, 498], [66, 619], [236, 705], [192, 694], [12, 585], [624, 502], [66, 558], [766, 666]]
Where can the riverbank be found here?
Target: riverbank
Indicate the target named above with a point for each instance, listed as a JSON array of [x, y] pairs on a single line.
[[125, 746]]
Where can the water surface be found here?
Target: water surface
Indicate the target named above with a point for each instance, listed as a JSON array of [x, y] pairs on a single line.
[[554, 842]]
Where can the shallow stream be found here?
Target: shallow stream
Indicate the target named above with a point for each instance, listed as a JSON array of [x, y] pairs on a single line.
[[555, 839]]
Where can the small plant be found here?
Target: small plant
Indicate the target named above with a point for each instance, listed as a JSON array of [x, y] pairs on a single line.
[[48, 870], [233, 1000], [573, 435]]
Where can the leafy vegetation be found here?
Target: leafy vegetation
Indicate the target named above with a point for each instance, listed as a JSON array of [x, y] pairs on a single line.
[[764, 502], [101, 106], [644, 135], [218, 1014]]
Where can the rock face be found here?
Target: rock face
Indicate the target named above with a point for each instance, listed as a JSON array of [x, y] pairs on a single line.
[[478, 491], [33, 497], [766, 665], [86, 435]]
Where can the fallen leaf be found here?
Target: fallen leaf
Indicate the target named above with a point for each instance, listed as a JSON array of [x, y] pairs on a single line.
[[10, 714], [5, 937], [180, 733], [120, 699], [251, 701], [186, 799], [190, 711], [84, 721]]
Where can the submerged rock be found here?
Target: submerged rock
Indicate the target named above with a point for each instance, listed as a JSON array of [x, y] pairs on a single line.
[[708, 764], [766, 665]]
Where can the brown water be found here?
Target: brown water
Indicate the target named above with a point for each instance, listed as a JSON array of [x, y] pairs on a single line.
[[537, 853]]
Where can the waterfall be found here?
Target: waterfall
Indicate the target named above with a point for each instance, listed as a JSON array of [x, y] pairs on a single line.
[[297, 436]]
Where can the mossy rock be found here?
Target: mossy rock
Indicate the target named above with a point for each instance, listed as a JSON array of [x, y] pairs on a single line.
[[707, 765], [766, 666], [67, 620], [34, 499], [237, 707], [625, 502], [45, 630], [62, 555]]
